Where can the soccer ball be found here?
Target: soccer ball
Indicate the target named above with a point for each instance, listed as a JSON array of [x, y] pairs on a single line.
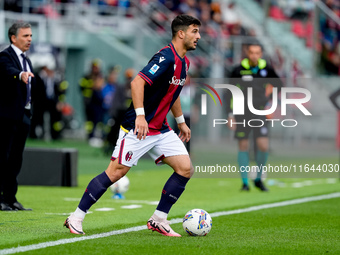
[[197, 222], [120, 187]]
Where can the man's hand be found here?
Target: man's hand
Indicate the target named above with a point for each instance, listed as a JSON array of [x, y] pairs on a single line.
[[185, 132], [25, 76], [141, 127]]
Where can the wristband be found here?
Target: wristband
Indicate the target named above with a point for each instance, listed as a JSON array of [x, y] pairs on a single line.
[[180, 119], [139, 111]]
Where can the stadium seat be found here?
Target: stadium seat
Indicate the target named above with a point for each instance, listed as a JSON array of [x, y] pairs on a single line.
[[276, 13], [298, 28]]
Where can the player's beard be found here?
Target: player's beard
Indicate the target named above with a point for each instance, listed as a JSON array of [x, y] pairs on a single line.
[[189, 46]]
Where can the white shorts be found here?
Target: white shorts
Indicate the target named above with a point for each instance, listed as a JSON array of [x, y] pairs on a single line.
[[129, 149]]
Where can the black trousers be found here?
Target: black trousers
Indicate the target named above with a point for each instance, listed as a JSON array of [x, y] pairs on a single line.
[[13, 135]]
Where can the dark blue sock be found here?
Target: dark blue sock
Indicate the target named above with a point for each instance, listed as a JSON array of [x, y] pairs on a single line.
[[94, 191], [172, 190]]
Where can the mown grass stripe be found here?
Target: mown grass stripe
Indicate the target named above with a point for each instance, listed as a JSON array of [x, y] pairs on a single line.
[[178, 220]]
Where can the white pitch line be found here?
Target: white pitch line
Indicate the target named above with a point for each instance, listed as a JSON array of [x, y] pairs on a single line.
[[73, 199], [136, 201], [178, 220]]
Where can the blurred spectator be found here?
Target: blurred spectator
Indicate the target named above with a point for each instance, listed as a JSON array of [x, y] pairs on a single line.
[[237, 30], [96, 113], [299, 14], [330, 31], [38, 109], [12, 5], [91, 86], [189, 6], [172, 5], [129, 74], [229, 13], [56, 8], [51, 102], [121, 101], [105, 6], [109, 91], [52, 94]]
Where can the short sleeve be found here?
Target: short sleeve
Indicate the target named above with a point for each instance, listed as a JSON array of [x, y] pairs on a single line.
[[159, 63]]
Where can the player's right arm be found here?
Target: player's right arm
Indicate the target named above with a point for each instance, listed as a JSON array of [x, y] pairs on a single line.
[[137, 92], [176, 109]]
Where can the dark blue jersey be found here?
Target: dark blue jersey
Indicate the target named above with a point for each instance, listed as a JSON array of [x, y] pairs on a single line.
[[165, 76]]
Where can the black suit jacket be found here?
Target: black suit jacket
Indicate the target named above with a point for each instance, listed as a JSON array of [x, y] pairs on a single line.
[[13, 91]]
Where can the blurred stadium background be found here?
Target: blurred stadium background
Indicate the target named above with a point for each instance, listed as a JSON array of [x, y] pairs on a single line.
[[300, 38], [301, 41]]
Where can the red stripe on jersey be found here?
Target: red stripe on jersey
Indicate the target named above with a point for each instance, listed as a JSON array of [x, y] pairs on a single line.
[[121, 151], [144, 77], [164, 48]]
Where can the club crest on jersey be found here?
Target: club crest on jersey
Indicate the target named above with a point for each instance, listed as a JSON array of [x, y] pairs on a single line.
[[128, 156], [161, 59], [176, 82], [154, 69]]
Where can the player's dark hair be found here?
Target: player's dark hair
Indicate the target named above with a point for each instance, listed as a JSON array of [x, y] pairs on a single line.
[[13, 30], [182, 22], [254, 43]]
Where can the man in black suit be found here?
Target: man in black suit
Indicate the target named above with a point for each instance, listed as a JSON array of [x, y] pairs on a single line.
[[17, 82]]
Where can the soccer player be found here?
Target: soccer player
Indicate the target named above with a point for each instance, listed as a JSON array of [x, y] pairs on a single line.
[[155, 91], [253, 72]]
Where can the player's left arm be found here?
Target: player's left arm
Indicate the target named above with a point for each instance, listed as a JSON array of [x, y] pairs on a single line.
[[137, 93], [185, 132]]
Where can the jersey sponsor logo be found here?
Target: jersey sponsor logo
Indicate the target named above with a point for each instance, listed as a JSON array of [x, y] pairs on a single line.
[[176, 82], [263, 72], [161, 59], [128, 156], [154, 69]]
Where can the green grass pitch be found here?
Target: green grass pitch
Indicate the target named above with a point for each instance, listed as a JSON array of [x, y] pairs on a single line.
[[306, 228]]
